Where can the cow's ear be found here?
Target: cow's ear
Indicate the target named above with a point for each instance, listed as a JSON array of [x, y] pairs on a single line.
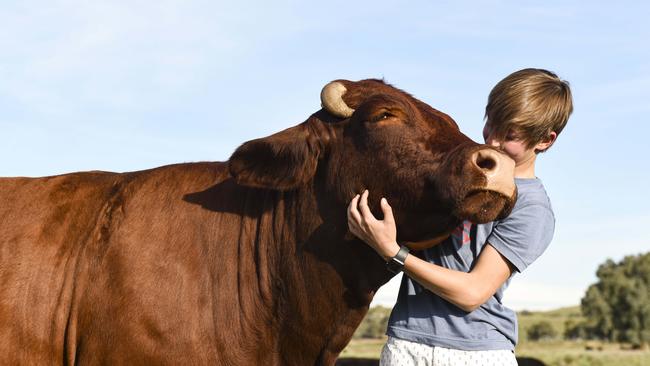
[[282, 161]]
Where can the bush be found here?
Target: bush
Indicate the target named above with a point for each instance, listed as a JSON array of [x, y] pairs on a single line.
[[541, 331], [574, 330]]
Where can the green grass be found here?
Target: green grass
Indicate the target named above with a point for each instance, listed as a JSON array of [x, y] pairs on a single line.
[[363, 348], [555, 352], [558, 319], [561, 353]]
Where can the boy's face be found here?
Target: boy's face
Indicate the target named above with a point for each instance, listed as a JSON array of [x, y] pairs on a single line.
[[512, 144]]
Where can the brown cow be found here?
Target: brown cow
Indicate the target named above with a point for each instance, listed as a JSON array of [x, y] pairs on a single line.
[[247, 262]]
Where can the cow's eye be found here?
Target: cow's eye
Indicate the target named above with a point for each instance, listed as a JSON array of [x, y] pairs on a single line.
[[382, 116]]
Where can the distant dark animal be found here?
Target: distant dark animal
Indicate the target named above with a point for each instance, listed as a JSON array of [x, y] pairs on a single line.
[[244, 262], [529, 361], [357, 362]]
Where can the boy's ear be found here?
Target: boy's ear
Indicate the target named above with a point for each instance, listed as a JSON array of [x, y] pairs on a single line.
[[282, 161], [547, 142]]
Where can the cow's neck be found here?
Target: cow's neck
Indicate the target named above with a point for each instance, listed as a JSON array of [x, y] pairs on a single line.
[[333, 278], [297, 267]]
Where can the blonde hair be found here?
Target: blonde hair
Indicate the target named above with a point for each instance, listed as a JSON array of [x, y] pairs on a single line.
[[533, 102]]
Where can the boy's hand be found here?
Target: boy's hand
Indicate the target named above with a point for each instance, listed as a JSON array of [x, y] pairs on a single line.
[[381, 235]]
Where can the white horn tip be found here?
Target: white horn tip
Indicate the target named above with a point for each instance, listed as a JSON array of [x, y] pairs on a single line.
[[332, 99]]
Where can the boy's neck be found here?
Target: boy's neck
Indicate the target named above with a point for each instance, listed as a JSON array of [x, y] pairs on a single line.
[[526, 168]]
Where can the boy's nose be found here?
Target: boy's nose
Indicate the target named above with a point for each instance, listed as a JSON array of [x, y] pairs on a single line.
[[493, 142]]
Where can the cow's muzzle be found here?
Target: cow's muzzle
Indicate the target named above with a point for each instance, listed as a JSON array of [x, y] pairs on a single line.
[[498, 169]]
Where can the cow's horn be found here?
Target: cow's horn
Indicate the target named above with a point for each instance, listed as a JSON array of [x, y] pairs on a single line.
[[332, 99]]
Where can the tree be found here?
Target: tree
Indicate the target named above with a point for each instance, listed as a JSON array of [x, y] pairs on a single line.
[[541, 330], [617, 307]]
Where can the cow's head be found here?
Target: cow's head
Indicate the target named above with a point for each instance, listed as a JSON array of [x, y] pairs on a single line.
[[370, 135]]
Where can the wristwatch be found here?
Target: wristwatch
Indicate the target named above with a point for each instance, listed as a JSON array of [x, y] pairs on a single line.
[[396, 263]]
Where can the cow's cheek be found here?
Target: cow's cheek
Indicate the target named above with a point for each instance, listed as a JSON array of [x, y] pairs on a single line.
[[482, 207]]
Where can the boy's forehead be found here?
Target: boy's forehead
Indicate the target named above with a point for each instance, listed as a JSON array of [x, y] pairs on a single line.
[[503, 130], [502, 126]]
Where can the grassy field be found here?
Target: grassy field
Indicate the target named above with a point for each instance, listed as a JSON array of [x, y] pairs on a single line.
[[554, 352], [560, 353], [557, 318]]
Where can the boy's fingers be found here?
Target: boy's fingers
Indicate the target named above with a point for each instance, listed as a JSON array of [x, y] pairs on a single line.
[[388, 211], [363, 206], [353, 213]]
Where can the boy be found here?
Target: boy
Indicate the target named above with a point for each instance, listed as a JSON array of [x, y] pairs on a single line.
[[449, 305]]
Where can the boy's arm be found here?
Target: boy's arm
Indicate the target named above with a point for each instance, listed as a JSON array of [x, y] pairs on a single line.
[[465, 290]]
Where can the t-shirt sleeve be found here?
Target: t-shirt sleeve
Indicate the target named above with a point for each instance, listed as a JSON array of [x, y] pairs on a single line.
[[524, 235]]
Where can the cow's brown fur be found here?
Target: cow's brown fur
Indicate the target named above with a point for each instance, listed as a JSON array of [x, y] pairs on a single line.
[[241, 263]]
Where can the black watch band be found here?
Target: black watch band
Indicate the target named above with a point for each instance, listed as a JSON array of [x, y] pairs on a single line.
[[396, 263]]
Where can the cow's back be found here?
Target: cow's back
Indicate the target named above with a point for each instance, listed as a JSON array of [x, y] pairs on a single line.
[[44, 224], [81, 253]]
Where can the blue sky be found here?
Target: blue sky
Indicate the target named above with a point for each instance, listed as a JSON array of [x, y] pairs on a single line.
[[128, 85]]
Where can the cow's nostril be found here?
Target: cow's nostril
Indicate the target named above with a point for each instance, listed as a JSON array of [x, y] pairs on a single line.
[[486, 162]]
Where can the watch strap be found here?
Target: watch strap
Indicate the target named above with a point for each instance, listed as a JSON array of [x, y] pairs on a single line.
[[396, 263]]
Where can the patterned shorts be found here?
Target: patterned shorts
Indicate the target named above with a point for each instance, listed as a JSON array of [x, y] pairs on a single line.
[[398, 352]]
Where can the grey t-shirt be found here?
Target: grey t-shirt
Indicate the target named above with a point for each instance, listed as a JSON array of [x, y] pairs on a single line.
[[421, 316]]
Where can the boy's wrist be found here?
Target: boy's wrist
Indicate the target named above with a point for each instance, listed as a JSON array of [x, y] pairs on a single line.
[[397, 262], [391, 250]]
